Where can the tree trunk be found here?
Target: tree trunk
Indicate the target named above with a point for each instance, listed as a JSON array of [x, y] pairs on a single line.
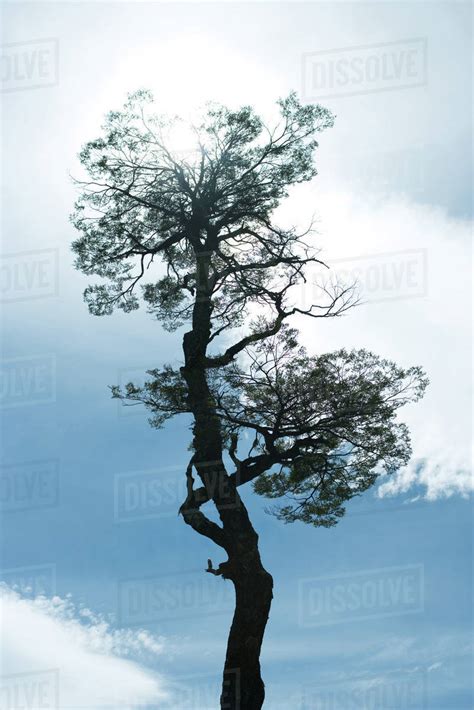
[[243, 687]]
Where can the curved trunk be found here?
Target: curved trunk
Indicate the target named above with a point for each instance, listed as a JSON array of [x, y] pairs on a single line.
[[243, 687]]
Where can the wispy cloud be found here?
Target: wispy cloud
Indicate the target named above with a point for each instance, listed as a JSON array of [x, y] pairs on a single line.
[[397, 651], [78, 656]]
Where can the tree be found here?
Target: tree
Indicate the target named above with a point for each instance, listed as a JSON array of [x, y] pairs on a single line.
[[194, 237]]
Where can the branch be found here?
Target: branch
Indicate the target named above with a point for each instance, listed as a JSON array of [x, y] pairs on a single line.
[[192, 515], [341, 301], [231, 352], [246, 471]]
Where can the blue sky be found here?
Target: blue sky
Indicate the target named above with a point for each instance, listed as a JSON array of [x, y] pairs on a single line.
[[375, 613]]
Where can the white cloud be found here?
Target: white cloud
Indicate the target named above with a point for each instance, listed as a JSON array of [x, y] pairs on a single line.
[[413, 263], [61, 652]]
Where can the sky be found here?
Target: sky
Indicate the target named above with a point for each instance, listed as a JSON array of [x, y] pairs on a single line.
[[105, 602]]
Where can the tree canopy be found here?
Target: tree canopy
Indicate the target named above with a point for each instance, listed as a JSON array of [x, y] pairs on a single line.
[[193, 237]]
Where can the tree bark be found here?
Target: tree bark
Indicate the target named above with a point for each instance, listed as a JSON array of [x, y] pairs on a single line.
[[243, 687]]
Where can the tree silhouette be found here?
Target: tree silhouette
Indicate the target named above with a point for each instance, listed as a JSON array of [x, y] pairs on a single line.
[[193, 236]]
